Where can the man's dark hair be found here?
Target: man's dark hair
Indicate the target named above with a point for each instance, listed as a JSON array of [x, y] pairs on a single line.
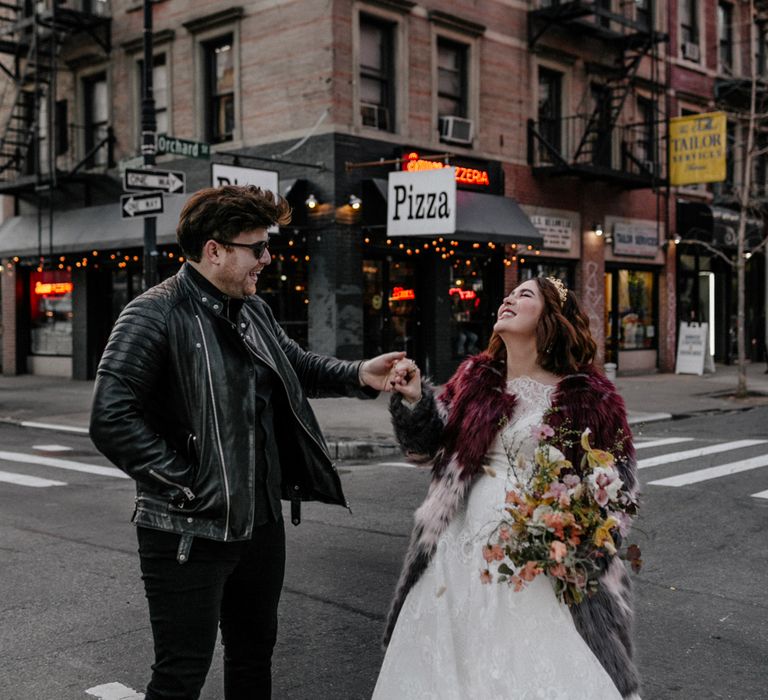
[[225, 212]]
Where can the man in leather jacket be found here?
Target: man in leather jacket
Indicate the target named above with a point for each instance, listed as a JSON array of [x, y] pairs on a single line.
[[202, 399]]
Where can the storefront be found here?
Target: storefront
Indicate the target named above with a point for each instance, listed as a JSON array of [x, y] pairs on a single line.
[[633, 265], [435, 294], [707, 283]]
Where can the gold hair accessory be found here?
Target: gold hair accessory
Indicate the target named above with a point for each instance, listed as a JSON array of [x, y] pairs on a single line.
[[562, 290]]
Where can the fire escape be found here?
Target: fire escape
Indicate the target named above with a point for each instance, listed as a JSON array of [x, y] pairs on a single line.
[[33, 36], [599, 143]]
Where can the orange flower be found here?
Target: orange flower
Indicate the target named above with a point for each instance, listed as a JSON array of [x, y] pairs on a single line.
[[485, 576], [530, 571], [559, 571], [493, 553]]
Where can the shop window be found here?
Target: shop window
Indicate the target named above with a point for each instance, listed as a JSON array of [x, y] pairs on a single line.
[[543, 268], [377, 73], [284, 285], [50, 294], [160, 93], [96, 112], [725, 38], [452, 78], [550, 111], [219, 75], [470, 329], [636, 309]]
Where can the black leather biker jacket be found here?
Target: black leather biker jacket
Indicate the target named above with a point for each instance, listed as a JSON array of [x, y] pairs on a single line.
[[174, 407]]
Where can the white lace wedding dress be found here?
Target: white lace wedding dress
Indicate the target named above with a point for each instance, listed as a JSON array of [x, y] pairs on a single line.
[[460, 639]]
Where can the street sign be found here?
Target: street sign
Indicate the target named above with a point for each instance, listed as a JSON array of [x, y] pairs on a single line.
[[182, 147], [168, 181], [148, 204]]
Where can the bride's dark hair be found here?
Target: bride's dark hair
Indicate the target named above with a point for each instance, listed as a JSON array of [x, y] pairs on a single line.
[[564, 343]]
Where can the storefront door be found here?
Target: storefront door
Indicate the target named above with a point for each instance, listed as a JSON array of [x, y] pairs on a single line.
[[391, 306]]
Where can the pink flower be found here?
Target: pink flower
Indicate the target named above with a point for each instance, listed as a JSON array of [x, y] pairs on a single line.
[[541, 432], [485, 576], [557, 551], [605, 484], [571, 481], [530, 571], [559, 491], [517, 582], [504, 533], [558, 571], [493, 553]]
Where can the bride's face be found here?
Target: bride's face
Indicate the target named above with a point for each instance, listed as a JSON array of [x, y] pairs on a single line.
[[519, 312]]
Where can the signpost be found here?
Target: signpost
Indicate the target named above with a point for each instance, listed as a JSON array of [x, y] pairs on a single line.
[[148, 204], [168, 181], [183, 147]]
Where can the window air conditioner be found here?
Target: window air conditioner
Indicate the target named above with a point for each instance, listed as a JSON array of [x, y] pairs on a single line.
[[456, 130], [374, 115], [691, 51]]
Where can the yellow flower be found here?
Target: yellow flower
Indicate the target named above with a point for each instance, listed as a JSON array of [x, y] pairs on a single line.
[[603, 538], [596, 458]]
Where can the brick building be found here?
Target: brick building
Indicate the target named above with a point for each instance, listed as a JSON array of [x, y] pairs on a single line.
[[553, 115]]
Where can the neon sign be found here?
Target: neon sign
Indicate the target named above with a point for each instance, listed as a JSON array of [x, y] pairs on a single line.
[[402, 294], [45, 288], [464, 176], [463, 293]]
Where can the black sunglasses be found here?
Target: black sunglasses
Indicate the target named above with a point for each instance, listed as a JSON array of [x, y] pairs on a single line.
[[256, 248]]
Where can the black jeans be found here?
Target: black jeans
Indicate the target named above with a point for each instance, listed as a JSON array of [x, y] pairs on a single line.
[[234, 584]]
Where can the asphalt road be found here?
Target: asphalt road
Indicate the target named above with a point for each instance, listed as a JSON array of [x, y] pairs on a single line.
[[73, 616]]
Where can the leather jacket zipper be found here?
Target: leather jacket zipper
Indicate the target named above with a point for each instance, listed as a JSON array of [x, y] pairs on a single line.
[[298, 420], [216, 424], [184, 489]]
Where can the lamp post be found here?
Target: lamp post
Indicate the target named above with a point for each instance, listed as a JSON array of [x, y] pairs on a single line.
[[149, 147]]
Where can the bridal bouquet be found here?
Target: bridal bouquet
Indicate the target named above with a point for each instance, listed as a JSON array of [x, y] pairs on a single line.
[[562, 521]]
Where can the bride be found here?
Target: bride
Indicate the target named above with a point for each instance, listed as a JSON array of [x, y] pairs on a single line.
[[450, 636]]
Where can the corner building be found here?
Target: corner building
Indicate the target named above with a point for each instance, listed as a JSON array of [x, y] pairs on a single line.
[[552, 114]]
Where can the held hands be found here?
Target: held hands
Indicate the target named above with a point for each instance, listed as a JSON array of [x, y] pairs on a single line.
[[376, 372], [406, 380]]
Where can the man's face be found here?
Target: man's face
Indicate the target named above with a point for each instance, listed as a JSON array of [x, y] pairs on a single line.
[[240, 269]]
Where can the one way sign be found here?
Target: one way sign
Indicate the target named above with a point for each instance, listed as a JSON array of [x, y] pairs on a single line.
[[168, 181], [133, 205]]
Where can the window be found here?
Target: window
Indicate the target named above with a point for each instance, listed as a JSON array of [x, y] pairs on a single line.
[[630, 311], [550, 111], [760, 185], [377, 74], [647, 141], [451, 78], [96, 110], [50, 312], [159, 92], [725, 38], [689, 25], [219, 75], [761, 51], [644, 14]]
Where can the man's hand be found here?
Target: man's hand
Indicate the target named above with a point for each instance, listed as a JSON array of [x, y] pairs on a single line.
[[375, 372], [406, 380]]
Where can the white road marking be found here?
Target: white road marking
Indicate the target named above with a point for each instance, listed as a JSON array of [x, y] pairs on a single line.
[[672, 457], [54, 426], [25, 480], [51, 448], [406, 465], [114, 691], [62, 464], [712, 472], [761, 494], [661, 441]]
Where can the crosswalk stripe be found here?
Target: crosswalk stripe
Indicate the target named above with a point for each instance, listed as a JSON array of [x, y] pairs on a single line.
[[114, 691], [55, 426], [761, 494], [698, 452], [712, 472], [62, 464], [662, 441], [397, 464], [26, 480]]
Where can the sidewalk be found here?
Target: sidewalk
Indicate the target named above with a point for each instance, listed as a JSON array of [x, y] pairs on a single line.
[[358, 429]]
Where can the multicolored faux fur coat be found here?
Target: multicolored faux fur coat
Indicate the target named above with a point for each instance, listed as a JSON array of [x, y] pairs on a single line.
[[454, 432]]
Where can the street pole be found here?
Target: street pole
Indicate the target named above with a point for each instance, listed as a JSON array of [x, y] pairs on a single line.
[[149, 147]]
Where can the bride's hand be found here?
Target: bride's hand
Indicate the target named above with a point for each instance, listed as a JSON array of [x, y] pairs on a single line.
[[405, 379]]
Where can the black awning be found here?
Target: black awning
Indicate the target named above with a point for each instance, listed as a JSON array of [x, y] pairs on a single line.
[[717, 226], [479, 217]]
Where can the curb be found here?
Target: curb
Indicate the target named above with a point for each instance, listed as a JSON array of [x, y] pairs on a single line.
[[643, 418]]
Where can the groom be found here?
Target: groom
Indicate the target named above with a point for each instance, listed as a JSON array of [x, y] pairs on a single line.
[[202, 399]]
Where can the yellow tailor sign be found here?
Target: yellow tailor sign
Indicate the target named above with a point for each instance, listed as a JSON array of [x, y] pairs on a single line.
[[697, 148]]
